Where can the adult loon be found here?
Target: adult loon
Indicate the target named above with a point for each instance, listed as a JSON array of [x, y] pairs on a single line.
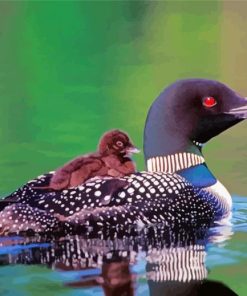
[[177, 189]]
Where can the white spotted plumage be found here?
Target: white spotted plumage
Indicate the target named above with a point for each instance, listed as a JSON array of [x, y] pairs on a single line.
[[161, 197]]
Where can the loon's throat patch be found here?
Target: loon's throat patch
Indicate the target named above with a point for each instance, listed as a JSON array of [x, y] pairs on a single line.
[[173, 163], [199, 176]]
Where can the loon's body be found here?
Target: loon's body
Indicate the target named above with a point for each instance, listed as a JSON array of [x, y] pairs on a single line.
[[177, 189]]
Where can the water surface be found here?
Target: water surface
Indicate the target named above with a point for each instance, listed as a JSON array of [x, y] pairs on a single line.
[[155, 262]]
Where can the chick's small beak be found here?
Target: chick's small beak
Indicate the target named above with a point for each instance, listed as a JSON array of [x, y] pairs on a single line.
[[240, 111], [132, 150]]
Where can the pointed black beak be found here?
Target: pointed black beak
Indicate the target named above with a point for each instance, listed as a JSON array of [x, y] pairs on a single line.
[[239, 111]]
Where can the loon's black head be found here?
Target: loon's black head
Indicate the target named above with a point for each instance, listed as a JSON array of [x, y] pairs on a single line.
[[189, 112]]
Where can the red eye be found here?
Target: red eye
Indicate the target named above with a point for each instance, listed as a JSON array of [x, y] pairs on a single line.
[[209, 102]]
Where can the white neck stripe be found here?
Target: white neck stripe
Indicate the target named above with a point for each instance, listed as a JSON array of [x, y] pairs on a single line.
[[173, 163]]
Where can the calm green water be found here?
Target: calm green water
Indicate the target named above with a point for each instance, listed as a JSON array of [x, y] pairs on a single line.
[[69, 71]]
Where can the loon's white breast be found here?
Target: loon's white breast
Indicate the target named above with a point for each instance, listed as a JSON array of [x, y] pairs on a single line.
[[219, 190]]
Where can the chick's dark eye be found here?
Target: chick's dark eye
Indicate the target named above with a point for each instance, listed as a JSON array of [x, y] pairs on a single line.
[[209, 102], [119, 144]]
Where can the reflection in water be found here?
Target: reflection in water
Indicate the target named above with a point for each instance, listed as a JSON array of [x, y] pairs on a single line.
[[177, 264], [175, 260]]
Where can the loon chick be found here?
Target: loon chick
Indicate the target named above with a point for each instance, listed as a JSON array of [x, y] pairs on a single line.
[[111, 159], [178, 189]]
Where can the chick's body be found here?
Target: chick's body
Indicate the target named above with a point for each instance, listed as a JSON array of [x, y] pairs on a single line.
[[110, 160]]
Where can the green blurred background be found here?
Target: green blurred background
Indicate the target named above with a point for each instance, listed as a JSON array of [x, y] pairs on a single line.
[[69, 71]]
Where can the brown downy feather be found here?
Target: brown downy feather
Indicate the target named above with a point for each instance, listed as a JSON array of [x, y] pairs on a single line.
[[110, 160]]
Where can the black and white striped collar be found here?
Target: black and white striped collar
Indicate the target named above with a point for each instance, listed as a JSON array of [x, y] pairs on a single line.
[[173, 163]]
